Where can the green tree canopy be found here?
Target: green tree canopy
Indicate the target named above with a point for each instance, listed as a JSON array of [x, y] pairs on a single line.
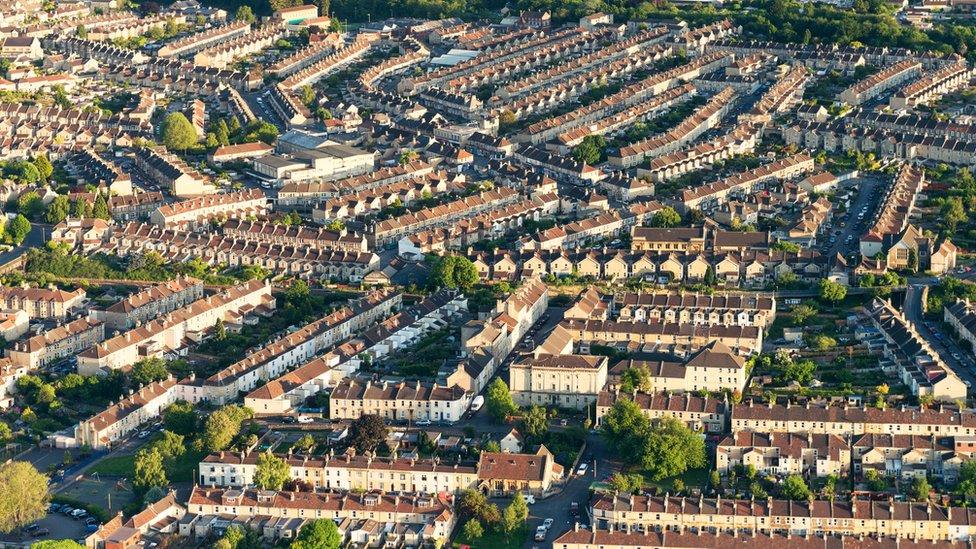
[[18, 229], [245, 14], [223, 425], [664, 449], [23, 495], [57, 544], [498, 400], [178, 133], [271, 472], [795, 488], [590, 150], [149, 470], [832, 292], [515, 514], [666, 217], [57, 210], [318, 534], [148, 370], [367, 432], [180, 417], [636, 378]]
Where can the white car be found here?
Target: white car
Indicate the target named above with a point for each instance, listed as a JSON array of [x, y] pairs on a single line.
[[422, 422], [305, 419], [582, 469], [547, 523], [529, 499]]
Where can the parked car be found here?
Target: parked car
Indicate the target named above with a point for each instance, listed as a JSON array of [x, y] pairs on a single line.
[[541, 533], [547, 523], [422, 422], [529, 499], [40, 532], [582, 469]]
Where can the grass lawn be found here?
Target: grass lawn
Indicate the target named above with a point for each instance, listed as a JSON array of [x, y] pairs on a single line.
[[496, 540], [181, 469], [694, 478], [116, 466]]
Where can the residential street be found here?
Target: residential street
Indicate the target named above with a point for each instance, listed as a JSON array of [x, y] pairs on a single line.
[[944, 345]]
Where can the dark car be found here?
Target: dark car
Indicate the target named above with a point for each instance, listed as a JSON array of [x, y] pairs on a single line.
[[40, 532]]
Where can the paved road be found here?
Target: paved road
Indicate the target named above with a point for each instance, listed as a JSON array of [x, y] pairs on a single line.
[[557, 507], [965, 368], [867, 196], [35, 239]]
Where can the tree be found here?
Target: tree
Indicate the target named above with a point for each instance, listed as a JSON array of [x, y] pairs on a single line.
[[822, 342], [223, 425], [666, 217], [626, 484], [19, 229], [920, 489], [795, 488], [318, 534], [472, 530], [148, 370], [802, 313], [44, 167], [967, 481], [715, 480], [367, 432], [245, 14], [80, 209], [306, 443], [671, 448], [178, 133], [57, 544], [100, 207], [498, 400], [952, 214], [453, 271], [307, 95], [170, 446], [636, 378], [271, 472], [149, 470], [474, 504], [590, 150], [876, 482], [832, 292], [180, 417], [800, 371], [220, 331], [57, 210], [515, 514], [785, 246], [81, 31], [535, 422], [30, 204], [23, 495], [222, 133], [6, 434]]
